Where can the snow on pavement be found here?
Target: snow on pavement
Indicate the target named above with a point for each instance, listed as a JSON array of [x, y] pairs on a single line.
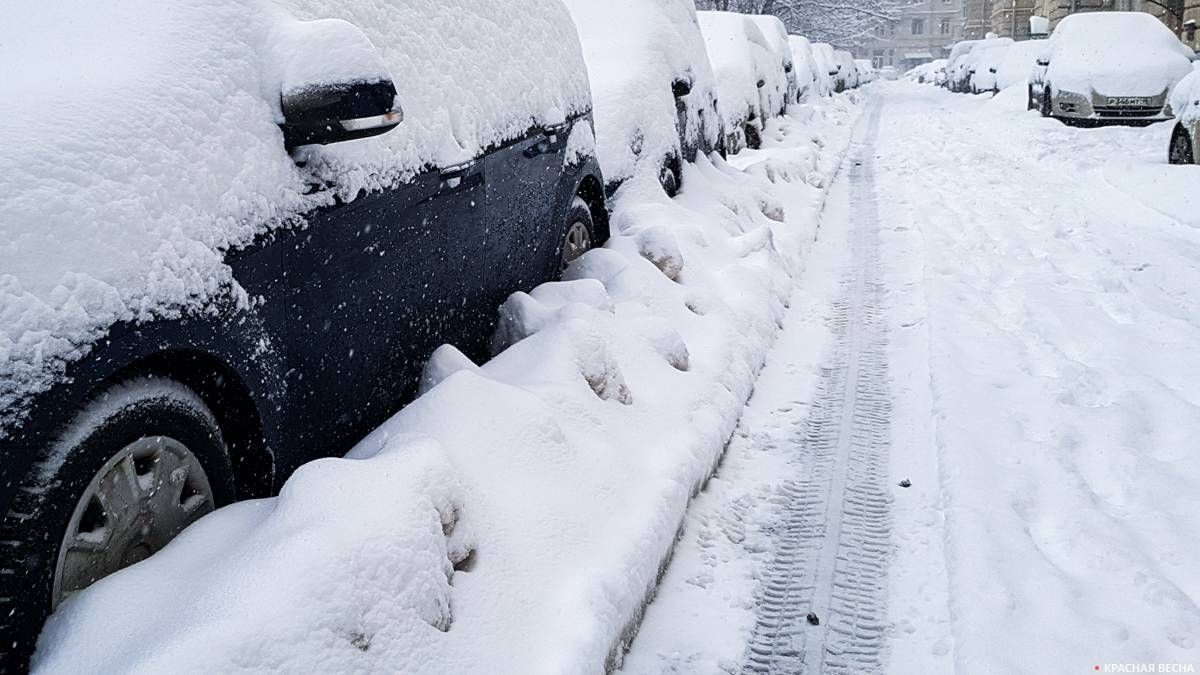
[[1038, 289]]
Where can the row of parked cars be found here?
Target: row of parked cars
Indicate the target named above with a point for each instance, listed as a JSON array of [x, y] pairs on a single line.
[[238, 256], [1096, 68]]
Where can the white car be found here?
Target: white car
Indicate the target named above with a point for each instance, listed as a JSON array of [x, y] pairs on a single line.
[[653, 88], [954, 80], [847, 77], [1185, 104], [809, 80], [826, 64], [751, 82], [866, 71], [1106, 67], [1018, 63], [984, 62], [777, 37]]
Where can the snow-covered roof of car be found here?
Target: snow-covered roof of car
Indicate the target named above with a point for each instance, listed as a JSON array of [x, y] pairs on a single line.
[[775, 33], [1116, 53], [141, 140], [635, 50]]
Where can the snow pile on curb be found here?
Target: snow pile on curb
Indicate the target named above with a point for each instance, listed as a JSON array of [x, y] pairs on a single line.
[[564, 465]]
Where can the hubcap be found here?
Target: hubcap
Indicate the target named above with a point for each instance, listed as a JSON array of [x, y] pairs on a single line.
[[579, 240], [136, 503]]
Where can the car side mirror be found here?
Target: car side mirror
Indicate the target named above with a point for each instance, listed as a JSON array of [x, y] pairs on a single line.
[[334, 85], [1043, 62], [761, 83], [681, 87], [339, 111], [787, 67]]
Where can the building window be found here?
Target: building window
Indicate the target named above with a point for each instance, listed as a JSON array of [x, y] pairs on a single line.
[[945, 27], [1189, 27], [918, 26]]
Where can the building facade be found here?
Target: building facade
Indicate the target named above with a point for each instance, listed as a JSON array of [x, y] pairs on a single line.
[[926, 30]]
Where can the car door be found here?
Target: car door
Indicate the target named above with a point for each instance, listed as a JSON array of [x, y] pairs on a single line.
[[375, 285], [522, 203]]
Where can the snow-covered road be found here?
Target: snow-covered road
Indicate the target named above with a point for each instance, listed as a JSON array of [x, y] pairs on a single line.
[[1022, 298]]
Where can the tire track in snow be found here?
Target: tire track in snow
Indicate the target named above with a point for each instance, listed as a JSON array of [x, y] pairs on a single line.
[[833, 531]]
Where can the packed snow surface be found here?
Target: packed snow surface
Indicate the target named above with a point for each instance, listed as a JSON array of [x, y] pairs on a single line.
[[1041, 323], [1115, 54], [563, 466], [635, 51], [120, 208]]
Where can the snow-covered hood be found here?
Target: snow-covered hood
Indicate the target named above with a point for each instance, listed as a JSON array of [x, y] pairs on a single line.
[[140, 141], [1115, 54], [635, 50], [1018, 63]]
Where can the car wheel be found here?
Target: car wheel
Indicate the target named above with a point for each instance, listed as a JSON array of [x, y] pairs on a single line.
[[579, 236], [1047, 107], [753, 137], [140, 464], [670, 176], [1180, 151]]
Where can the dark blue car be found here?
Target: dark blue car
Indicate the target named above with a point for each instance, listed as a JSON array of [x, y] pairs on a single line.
[[425, 173]]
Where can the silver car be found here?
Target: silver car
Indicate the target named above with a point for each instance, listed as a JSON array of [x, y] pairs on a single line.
[[1108, 67]]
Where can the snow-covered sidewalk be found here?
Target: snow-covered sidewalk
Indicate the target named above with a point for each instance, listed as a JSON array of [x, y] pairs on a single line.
[[1037, 285], [515, 518]]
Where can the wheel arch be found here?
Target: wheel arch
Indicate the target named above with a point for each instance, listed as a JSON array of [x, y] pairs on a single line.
[[591, 190], [228, 396]]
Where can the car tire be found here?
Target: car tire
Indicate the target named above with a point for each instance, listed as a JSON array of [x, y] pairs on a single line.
[[670, 176], [1180, 150], [1029, 98], [753, 136], [1047, 106], [154, 427], [579, 234]]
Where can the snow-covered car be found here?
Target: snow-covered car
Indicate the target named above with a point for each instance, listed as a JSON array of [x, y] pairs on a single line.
[[235, 255], [751, 83], [955, 80], [847, 77], [888, 73], [1018, 62], [866, 71], [1108, 67], [983, 63], [654, 91], [777, 38], [809, 82], [826, 65], [1185, 105]]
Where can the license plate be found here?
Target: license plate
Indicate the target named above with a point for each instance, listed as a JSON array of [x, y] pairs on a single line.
[[1130, 101]]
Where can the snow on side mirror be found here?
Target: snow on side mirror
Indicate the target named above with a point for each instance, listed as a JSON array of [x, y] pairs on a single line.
[[1043, 61], [334, 85], [681, 87]]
